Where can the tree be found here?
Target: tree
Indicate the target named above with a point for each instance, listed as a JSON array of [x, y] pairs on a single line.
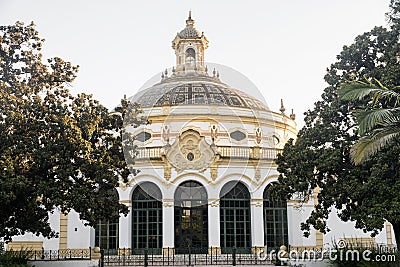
[[57, 151], [378, 122], [320, 158]]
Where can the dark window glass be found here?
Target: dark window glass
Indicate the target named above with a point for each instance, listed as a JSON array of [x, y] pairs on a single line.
[[238, 135], [191, 218], [235, 101], [143, 136], [235, 221], [107, 232], [275, 221], [146, 218]]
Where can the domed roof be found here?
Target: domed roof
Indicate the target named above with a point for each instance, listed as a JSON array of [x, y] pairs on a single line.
[[196, 92], [189, 33], [190, 83]]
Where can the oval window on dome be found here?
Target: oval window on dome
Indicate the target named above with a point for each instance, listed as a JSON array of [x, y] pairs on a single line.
[[143, 136], [237, 135]]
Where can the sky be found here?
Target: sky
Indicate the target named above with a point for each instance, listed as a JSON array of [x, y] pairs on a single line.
[[282, 46]]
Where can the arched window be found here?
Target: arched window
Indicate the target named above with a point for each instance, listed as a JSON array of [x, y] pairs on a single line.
[[275, 221], [146, 218], [190, 57], [235, 218], [107, 232], [191, 218]]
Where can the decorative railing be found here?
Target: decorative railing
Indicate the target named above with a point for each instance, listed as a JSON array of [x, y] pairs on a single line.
[[270, 153], [235, 151], [148, 152], [53, 255], [239, 152], [188, 257]]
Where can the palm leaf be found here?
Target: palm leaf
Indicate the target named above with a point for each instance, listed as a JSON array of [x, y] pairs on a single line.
[[385, 94], [367, 146], [369, 119], [358, 90], [382, 124]]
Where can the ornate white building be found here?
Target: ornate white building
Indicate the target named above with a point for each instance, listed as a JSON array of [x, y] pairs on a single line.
[[206, 164]]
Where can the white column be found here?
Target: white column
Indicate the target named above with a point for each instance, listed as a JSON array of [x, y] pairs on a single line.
[[125, 229], [257, 223], [213, 224], [168, 223]]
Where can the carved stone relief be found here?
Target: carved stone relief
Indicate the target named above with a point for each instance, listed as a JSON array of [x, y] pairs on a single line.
[[190, 152], [165, 131], [258, 135]]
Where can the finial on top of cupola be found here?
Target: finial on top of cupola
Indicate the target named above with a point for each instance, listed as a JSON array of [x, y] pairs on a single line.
[[190, 21], [282, 109]]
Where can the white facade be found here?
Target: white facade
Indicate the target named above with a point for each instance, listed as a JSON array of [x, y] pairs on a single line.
[[209, 134]]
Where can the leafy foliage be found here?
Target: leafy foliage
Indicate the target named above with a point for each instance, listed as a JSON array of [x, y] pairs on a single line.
[[57, 151], [363, 255], [320, 158], [15, 258]]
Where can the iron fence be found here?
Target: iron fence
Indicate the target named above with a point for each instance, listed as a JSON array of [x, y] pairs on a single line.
[[168, 256], [50, 255]]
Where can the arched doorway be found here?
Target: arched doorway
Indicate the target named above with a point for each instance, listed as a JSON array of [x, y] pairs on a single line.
[[146, 218], [235, 218], [191, 218], [275, 221], [106, 232]]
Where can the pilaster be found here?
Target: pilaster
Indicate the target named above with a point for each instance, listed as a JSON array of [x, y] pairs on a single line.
[[168, 223], [63, 231], [125, 228], [257, 226], [213, 224], [389, 238]]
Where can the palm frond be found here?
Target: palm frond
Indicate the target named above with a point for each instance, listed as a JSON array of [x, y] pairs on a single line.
[[358, 90], [385, 94], [369, 119], [367, 146]]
